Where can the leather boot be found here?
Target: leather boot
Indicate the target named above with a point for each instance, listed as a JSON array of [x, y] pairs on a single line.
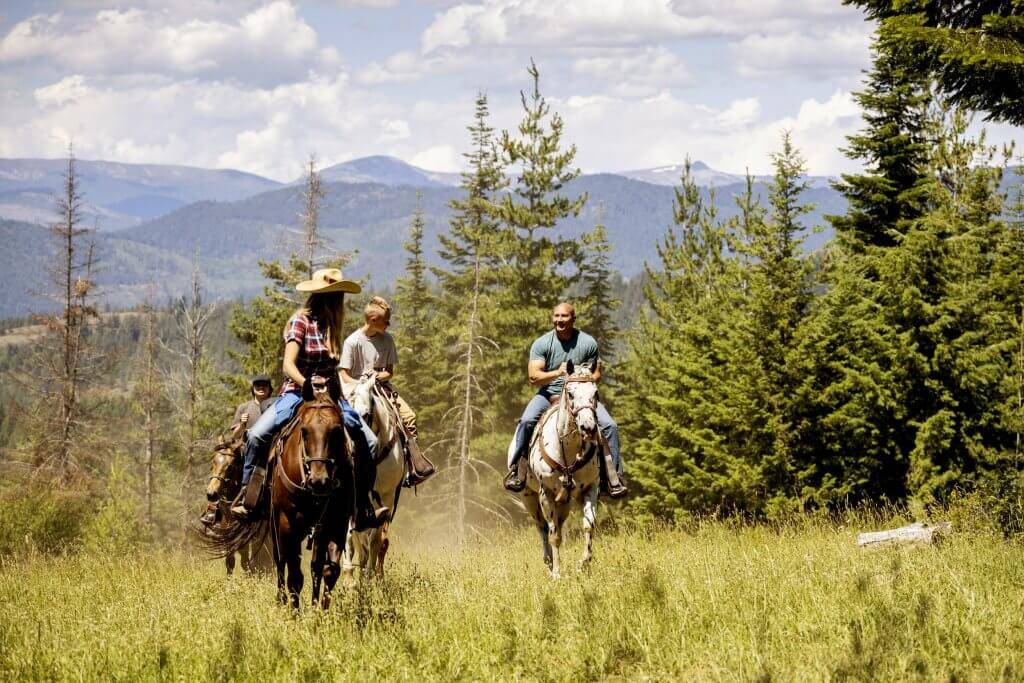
[[616, 485], [515, 479], [420, 468], [249, 496], [209, 517]]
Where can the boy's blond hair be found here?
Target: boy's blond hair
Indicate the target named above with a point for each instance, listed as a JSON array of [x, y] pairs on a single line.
[[377, 306]]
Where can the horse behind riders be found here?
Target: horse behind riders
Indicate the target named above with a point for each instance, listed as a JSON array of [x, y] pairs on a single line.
[[365, 550]]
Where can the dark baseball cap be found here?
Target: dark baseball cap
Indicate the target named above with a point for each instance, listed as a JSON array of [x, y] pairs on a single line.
[[262, 379]]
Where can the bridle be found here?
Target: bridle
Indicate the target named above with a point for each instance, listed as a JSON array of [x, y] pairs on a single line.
[[307, 461], [585, 454]]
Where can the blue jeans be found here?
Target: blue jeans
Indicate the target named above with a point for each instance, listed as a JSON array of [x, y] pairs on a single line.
[[261, 434], [532, 414]]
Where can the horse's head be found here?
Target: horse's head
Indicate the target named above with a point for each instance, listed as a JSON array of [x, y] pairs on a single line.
[[321, 435], [223, 469], [581, 394], [362, 395]]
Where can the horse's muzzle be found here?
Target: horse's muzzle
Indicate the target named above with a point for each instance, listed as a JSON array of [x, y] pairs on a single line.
[[212, 491]]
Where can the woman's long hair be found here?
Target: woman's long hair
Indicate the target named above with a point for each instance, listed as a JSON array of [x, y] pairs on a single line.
[[329, 311]]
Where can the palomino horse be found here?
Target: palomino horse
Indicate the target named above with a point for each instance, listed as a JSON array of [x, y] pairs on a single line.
[[370, 546], [225, 480], [563, 458], [311, 494]]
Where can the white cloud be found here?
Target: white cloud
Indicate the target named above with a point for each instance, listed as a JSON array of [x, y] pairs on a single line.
[[438, 158], [267, 46], [664, 129], [408, 66], [818, 52], [740, 113], [635, 73], [65, 91]]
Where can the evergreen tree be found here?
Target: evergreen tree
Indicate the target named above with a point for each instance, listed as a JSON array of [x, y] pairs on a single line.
[[598, 304], [678, 407], [893, 148], [973, 50], [419, 373], [535, 277], [471, 256], [777, 296]]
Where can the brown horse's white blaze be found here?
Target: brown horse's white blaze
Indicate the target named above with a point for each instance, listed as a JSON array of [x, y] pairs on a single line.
[[365, 550], [564, 461]]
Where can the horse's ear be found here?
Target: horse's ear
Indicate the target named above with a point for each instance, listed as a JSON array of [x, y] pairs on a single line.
[[569, 367], [307, 390], [334, 388]]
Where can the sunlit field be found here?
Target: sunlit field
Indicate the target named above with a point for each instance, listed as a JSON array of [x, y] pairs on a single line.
[[713, 602]]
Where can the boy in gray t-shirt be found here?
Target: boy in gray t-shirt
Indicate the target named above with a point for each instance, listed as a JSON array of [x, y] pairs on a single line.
[[372, 349]]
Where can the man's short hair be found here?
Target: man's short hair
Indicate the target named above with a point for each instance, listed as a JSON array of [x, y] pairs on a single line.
[[572, 309], [377, 306]]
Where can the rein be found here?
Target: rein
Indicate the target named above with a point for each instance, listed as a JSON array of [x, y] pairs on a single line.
[[384, 448], [585, 455], [296, 488]]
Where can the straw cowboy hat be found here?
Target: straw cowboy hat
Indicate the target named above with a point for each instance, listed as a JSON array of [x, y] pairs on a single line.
[[328, 280]]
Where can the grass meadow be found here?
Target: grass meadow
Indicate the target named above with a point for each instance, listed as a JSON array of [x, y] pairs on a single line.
[[714, 601]]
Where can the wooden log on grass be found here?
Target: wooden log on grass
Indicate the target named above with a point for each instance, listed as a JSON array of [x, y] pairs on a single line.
[[917, 533]]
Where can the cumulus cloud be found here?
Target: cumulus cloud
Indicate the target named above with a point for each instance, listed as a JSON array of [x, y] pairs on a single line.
[[818, 52], [768, 35], [665, 129], [267, 46], [407, 66], [635, 73]]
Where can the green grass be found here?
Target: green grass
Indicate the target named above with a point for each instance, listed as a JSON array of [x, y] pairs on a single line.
[[717, 602]]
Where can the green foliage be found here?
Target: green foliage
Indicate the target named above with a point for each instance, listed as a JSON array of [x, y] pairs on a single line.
[[893, 148], [535, 273], [973, 50], [40, 518], [420, 373]]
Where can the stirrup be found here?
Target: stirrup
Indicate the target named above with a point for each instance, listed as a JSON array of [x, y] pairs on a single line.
[[512, 482]]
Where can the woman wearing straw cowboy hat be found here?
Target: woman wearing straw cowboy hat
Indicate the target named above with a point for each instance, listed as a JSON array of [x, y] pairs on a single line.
[[313, 340]]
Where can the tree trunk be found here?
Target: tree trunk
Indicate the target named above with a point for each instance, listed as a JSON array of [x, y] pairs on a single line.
[[466, 428]]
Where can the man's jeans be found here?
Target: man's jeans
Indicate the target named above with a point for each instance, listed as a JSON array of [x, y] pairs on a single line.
[[261, 434], [532, 414]]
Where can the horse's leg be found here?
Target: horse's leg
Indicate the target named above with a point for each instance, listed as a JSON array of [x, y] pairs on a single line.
[[380, 549], [293, 556], [589, 521], [532, 503], [279, 562], [246, 558], [229, 562], [316, 568], [554, 529], [331, 571]]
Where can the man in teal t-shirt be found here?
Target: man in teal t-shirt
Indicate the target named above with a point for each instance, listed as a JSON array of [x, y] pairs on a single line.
[[549, 356]]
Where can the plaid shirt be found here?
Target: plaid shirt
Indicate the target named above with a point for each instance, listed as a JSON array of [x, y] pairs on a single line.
[[314, 357]]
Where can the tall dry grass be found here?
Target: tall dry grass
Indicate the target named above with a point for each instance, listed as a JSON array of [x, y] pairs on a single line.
[[713, 602]]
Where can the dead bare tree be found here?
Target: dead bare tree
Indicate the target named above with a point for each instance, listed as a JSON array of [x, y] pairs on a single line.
[[151, 397], [191, 317], [312, 203], [64, 364]]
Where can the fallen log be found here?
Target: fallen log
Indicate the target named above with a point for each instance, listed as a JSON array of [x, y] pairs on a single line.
[[916, 533]]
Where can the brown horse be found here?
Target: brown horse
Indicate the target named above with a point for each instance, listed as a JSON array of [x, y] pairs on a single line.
[[310, 495], [222, 487]]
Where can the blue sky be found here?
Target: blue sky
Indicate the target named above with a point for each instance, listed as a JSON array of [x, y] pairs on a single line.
[[257, 85]]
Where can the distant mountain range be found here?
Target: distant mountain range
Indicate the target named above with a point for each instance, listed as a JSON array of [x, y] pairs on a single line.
[[705, 176], [154, 219], [117, 195]]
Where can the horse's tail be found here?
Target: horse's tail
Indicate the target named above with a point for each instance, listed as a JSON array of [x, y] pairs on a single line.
[[230, 536]]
